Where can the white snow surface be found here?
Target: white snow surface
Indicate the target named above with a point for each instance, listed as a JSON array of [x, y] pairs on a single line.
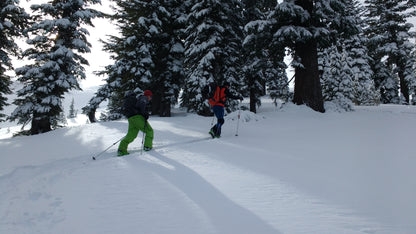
[[289, 170]]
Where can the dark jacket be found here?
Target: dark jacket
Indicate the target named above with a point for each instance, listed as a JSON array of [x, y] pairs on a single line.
[[136, 106]]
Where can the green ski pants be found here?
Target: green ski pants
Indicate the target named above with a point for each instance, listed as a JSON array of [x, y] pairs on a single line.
[[137, 123]]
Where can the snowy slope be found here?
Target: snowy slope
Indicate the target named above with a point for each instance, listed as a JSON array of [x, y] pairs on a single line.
[[289, 170]]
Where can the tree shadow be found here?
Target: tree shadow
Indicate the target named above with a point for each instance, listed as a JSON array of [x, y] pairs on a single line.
[[225, 215]]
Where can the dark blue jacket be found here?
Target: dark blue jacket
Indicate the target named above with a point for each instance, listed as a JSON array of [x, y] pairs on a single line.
[[135, 106]]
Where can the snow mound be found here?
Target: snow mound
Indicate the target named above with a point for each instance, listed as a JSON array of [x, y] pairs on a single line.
[[245, 116]]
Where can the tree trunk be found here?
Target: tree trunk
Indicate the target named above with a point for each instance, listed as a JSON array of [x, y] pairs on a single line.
[[252, 92], [155, 104], [253, 100], [160, 107], [404, 87], [91, 116], [40, 125], [308, 88], [164, 109]]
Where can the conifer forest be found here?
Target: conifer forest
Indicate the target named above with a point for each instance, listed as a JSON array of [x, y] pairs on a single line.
[[347, 52]]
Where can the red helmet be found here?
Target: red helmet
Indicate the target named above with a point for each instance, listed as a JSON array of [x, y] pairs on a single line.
[[147, 93]]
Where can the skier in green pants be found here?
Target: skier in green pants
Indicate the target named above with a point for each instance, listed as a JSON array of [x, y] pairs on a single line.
[[135, 111]]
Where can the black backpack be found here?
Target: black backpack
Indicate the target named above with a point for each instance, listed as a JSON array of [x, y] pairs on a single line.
[[129, 105], [209, 90]]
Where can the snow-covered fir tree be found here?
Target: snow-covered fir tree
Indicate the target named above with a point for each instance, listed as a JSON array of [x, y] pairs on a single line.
[[100, 95], [169, 72], [59, 121], [346, 73], [148, 54], [306, 26], [337, 77], [57, 42], [261, 66], [254, 51], [132, 53], [212, 49], [277, 83], [391, 49], [72, 112], [13, 20], [365, 92]]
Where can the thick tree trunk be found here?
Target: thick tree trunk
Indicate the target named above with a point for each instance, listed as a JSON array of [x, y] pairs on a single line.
[[252, 93], [155, 104], [308, 88], [159, 107], [164, 109], [40, 125], [253, 107], [91, 116], [404, 87]]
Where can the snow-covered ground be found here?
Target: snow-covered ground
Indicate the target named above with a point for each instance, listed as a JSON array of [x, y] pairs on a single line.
[[289, 170]]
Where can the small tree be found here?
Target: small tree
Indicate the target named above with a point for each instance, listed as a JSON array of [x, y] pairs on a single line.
[[337, 77], [72, 112], [100, 95]]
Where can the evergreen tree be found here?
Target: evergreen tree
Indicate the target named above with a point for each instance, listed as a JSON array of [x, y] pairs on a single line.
[[113, 112], [365, 92], [391, 49], [255, 61], [259, 68], [276, 78], [72, 112], [13, 20], [337, 77], [169, 73], [212, 49], [306, 26], [59, 121], [100, 95], [57, 42], [148, 54], [132, 53], [346, 73]]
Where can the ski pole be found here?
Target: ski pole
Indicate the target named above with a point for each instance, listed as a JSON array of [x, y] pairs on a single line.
[[238, 120], [144, 131], [98, 155]]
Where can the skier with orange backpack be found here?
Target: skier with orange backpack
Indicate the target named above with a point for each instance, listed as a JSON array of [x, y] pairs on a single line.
[[217, 102]]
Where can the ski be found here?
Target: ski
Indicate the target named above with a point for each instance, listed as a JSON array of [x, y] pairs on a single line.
[[134, 151]]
